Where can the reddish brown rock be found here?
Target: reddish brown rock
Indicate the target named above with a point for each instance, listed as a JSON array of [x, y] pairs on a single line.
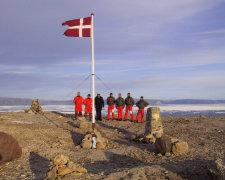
[[163, 145], [9, 148]]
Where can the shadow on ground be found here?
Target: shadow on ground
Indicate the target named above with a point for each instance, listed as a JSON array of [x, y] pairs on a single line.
[[76, 137], [38, 165]]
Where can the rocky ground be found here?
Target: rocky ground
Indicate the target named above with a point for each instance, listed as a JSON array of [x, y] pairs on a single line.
[[44, 136]]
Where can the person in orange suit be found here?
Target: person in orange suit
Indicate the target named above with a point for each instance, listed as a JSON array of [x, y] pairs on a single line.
[[141, 104], [78, 101], [129, 101], [88, 106], [120, 103], [111, 101]]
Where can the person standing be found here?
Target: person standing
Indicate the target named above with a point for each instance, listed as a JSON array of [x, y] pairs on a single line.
[[99, 104], [129, 101], [78, 101], [120, 103], [141, 104], [88, 106], [111, 101]]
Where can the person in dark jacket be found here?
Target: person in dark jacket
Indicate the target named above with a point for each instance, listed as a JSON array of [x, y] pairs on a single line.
[[141, 104], [111, 101], [129, 101], [120, 103], [99, 104]]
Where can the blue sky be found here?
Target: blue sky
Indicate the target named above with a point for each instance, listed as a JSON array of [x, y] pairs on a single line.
[[159, 49]]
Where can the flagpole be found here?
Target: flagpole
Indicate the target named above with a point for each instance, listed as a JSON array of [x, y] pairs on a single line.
[[93, 70]]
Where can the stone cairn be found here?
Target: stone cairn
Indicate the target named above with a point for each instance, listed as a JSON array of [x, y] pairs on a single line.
[[62, 166], [83, 123], [153, 127], [35, 107], [9, 148], [94, 140], [164, 144]]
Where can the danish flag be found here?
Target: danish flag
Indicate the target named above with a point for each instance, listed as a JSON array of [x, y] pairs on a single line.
[[79, 27]]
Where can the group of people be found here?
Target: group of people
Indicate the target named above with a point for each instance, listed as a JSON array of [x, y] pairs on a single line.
[[120, 103]]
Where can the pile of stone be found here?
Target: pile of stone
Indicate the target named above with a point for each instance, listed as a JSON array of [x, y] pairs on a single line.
[[153, 127], [168, 145], [9, 148], [94, 140], [62, 166], [164, 144], [83, 123], [35, 107]]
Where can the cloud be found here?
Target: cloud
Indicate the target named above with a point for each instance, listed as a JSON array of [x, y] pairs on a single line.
[[213, 32]]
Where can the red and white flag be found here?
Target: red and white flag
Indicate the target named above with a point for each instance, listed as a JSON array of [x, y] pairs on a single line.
[[78, 27]]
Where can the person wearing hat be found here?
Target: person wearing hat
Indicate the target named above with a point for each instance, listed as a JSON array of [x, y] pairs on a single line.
[[99, 104], [78, 101], [88, 106], [141, 104], [129, 101], [111, 101], [120, 103]]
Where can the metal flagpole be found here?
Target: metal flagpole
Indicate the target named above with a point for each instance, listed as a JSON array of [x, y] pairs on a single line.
[[93, 70]]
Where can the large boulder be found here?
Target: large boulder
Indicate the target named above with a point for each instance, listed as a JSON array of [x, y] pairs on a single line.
[[180, 148], [35, 107], [163, 145], [9, 148]]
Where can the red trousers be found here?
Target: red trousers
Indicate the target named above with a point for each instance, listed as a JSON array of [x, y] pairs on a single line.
[[111, 108], [120, 112], [78, 109], [129, 108], [88, 110], [140, 112]]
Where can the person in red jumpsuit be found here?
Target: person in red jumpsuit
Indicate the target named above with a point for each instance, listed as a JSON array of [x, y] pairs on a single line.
[[78, 101], [120, 103], [88, 106], [111, 101], [141, 104], [129, 101]]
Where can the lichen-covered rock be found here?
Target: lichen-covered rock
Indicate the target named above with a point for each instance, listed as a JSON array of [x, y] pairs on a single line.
[[9, 148], [163, 145], [180, 148]]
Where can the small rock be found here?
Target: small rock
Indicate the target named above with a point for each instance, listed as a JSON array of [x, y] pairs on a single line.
[[167, 154], [133, 137]]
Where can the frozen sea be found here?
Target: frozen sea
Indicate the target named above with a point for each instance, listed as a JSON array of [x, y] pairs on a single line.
[[169, 109]]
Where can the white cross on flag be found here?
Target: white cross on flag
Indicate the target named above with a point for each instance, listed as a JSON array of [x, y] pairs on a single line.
[[78, 27]]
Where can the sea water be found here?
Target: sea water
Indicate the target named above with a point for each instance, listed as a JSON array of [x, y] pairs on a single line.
[[169, 109]]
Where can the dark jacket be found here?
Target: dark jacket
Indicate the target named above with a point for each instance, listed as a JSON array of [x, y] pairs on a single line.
[[99, 103], [141, 104], [111, 100], [129, 101], [120, 102]]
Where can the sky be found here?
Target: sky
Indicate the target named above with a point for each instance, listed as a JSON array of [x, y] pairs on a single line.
[[164, 49]]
